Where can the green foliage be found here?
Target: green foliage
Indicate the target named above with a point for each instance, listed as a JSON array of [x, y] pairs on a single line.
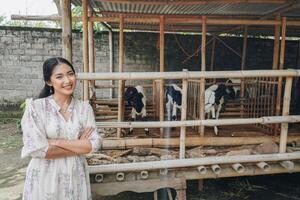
[[22, 109], [77, 12]]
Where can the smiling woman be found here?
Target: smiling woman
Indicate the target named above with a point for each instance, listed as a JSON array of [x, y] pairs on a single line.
[[57, 130]]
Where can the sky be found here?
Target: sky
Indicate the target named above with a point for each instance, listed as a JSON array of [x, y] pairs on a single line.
[[27, 7]]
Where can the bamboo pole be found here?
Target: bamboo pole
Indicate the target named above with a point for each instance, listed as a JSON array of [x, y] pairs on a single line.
[[191, 162], [85, 47], [207, 122], [281, 62], [66, 20], [91, 50], [183, 118], [188, 75], [285, 112], [121, 69], [114, 144], [161, 69], [202, 83]]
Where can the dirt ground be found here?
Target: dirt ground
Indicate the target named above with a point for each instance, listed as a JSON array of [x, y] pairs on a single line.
[[275, 187]]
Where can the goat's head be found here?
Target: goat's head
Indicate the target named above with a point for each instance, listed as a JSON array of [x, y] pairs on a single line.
[[129, 94], [229, 90]]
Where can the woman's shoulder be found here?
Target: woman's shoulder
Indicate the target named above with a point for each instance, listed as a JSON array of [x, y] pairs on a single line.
[[35, 103]]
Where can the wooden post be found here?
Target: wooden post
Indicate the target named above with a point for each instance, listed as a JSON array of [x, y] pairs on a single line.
[[121, 69], [85, 47], [202, 80], [276, 45], [66, 20], [281, 62], [161, 69], [244, 56], [285, 112], [183, 118], [212, 58], [111, 58], [91, 51]]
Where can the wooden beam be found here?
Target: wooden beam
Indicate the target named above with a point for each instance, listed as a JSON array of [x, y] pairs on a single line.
[[285, 112], [121, 69], [66, 21], [203, 68], [188, 75], [281, 62], [243, 65], [168, 20], [183, 118], [85, 47], [91, 53], [191, 162], [207, 122], [276, 45], [212, 58], [161, 69], [111, 58], [114, 144]]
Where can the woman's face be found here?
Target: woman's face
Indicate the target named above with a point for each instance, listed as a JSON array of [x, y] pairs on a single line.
[[63, 80]]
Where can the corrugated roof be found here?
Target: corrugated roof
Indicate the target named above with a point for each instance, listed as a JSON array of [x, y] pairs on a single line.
[[221, 8]]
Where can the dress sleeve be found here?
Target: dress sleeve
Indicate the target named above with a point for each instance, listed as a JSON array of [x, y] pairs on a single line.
[[35, 143], [89, 121]]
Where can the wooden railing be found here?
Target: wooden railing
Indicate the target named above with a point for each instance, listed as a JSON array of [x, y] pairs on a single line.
[[185, 76]]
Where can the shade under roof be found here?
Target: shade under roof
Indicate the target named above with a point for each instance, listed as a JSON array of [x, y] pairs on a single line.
[[236, 9]]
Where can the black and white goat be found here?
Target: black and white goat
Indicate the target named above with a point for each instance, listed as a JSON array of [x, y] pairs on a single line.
[[214, 100], [173, 101], [136, 98]]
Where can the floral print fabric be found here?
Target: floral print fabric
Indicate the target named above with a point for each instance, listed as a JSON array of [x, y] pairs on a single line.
[[63, 178]]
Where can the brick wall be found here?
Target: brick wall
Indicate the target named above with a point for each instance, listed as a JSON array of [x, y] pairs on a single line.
[[23, 50]]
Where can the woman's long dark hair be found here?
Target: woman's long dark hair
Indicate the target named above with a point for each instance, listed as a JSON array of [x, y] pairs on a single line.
[[48, 68]]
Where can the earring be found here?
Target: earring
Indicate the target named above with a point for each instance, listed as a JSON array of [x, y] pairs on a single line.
[[51, 90]]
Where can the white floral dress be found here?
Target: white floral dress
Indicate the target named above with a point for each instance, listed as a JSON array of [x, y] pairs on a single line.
[[63, 178]]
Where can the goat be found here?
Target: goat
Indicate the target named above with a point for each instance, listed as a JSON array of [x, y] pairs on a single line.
[[136, 98], [214, 100], [173, 101]]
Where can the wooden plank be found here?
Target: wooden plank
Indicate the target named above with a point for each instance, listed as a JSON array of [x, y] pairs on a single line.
[[151, 185]]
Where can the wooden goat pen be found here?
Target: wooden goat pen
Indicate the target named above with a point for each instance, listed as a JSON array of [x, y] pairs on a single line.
[[259, 111], [259, 80]]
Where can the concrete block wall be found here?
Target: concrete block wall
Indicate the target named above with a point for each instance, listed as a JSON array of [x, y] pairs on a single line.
[[23, 51]]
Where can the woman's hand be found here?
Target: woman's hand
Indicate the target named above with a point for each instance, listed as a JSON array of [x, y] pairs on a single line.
[[86, 133]]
